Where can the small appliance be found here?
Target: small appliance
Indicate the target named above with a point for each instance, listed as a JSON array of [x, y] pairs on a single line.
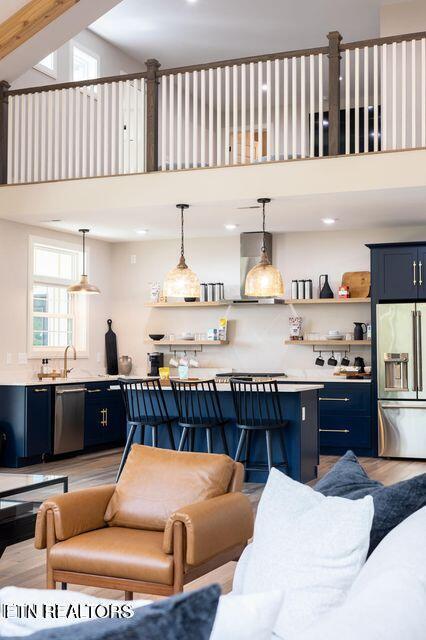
[[155, 362]]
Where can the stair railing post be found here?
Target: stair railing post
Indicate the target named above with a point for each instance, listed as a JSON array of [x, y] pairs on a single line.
[[334, 40], [152, 66], [4, 110]]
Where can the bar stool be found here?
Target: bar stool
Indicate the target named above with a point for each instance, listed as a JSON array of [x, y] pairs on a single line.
[[257, 408], [145, 407], [198, 406]]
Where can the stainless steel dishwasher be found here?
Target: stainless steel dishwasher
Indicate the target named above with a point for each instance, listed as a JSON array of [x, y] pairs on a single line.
[[68, 433]]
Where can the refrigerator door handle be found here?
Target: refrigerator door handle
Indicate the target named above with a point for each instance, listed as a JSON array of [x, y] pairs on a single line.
[[415, 352], [419, 352]]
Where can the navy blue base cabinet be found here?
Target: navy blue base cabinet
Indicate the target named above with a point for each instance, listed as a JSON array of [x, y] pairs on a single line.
[[105, 419]]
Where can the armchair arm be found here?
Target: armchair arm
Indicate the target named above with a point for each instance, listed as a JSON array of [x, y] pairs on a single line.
[[212, 526], [73, 513]]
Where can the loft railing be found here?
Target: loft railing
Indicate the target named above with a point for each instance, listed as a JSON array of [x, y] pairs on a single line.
[[359, 97]]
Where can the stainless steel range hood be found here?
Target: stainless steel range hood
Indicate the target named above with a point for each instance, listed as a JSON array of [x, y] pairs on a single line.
[[250, 245]]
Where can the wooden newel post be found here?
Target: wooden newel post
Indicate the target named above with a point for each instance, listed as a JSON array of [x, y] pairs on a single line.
[[4, 106], [334, 40], [152, 67]]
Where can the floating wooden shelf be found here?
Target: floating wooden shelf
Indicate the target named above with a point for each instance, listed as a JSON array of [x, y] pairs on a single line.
[[330, 343], [189, 343], [331, 301], [169, 305]]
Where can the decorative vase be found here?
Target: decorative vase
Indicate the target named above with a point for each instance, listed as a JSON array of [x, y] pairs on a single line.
[[125, 365]]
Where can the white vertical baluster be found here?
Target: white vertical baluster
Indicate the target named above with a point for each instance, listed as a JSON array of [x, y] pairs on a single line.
[[376, 95], [57, 136], [163, 123], [71, 132], [235, 141], [142, 121], [413, 94], [243, 114], [77, 162], [227, 120], [423, 97], [84, 130], [171, 122], [50, 135], [179, 122], [384, 97], [312, 106], [135, 122], [129, 132], [63, 134], [17, 138], [286, 108], [24, 148], [347, 101], [187, 92], [211, 123], [43, 135], [107, 128], [403, 95], [357, 83], [252, 107], [260, 111], [294, 107], [30, 145], [203, 118], [91, 90], [268, 111], [195, 118], [277, 111], [302, 107], [218, 116], [366, 100], [320, 107], [36, 171], [114, 128], [394, 95], [11, 126]]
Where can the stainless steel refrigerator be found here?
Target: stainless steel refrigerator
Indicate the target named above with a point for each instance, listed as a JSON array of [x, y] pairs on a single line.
[[401, 372]]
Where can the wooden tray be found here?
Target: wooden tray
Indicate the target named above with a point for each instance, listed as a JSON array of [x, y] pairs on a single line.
[[358, 282]]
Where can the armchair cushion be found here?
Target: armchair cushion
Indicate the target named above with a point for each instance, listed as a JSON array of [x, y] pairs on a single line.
[[157, 482], [117, 552], [212, 526], [73, 513]]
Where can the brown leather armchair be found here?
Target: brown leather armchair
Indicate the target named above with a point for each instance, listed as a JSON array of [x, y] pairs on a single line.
[[172, 517]]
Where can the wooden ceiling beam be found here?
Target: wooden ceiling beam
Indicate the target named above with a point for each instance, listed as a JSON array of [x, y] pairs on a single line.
[[28, 21]]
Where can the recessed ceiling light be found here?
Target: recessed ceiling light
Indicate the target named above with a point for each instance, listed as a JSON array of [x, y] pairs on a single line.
[[230, 227], [329, 220], [191, 1], [142, 232]]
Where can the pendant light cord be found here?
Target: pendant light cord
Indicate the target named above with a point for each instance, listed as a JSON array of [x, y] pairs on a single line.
[[182, 252], [263, 229], [84, 253]]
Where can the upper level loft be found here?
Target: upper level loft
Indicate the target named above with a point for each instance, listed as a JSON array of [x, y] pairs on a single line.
[[361, 97]]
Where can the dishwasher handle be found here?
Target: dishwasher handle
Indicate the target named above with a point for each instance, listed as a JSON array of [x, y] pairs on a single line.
[[62, 391]]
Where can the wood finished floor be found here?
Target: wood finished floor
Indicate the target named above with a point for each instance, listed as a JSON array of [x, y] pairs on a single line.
[[24, 566]]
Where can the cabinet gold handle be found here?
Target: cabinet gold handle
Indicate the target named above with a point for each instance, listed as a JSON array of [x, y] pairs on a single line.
[[93, 390], [334, 430], [44, 390], [335, 399], [414, 272], [420, 273]]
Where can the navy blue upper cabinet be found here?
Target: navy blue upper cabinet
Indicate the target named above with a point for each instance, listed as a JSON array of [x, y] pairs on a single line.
[[398, 271]]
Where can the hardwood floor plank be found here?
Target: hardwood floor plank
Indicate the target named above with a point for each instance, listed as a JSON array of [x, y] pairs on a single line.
[[24, 566]]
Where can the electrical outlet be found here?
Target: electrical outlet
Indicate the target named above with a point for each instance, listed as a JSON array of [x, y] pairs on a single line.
[[133, 258], [98, 357], [8, 358], [22, 358]]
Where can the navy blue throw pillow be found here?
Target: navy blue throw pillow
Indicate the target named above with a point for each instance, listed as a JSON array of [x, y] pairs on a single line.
[[187, 616], [392, 504]]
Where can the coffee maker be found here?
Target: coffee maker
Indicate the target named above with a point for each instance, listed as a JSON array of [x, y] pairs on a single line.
[[155, 361]]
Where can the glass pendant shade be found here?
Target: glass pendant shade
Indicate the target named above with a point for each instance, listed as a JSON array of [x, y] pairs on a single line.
[[264, 280], [83, 287], [181, 282]]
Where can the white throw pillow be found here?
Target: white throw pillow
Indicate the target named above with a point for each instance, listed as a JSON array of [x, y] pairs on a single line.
[[250, 617], [25, 626], [240, 571], [391, 607], [309, 546]]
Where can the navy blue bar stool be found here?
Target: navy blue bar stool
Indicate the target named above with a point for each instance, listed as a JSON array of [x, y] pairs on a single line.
[[145, 407], [198, 406], [258, 409]]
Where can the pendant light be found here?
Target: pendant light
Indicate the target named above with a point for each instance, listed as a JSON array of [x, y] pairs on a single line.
[[181, 282], [264, 280], [83, 287]]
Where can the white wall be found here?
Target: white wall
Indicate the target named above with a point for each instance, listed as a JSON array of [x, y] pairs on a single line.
[[14, 240], [112, 62], [403, 17], [256, 334]]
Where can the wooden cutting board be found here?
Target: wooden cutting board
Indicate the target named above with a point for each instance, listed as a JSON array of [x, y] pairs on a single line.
[[358, 282], [111, 350]]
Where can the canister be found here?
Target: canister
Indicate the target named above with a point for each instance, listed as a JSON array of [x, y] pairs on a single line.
[[300, 289], [203, 292], [211, 292], [294, 289], [308, 289]]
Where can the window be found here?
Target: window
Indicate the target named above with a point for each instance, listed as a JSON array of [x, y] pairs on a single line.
[[55, 317], [85, 65], [48, 65]]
